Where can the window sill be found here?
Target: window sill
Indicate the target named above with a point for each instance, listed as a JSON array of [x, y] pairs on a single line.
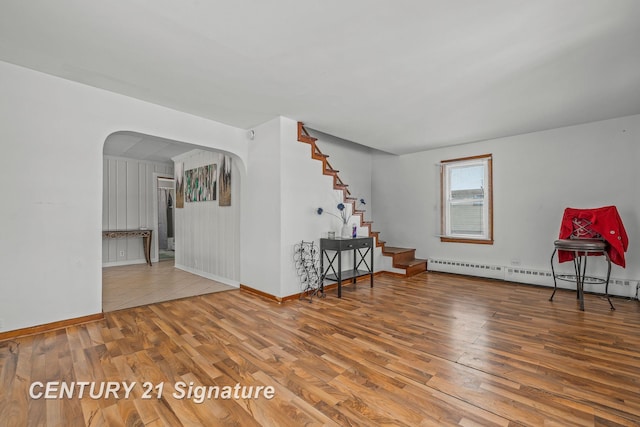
[[463, 240]]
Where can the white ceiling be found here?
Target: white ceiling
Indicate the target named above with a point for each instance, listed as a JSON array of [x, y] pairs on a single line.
[[400, 76]]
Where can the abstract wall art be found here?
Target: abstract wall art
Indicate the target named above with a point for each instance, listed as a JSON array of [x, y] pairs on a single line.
[[201, 183], [179, 175], [225, 181]]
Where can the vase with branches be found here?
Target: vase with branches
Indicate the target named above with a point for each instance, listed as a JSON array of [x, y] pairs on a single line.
[[343, 215]]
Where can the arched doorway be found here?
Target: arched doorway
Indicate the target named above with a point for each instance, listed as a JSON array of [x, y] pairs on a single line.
[[136, 168]]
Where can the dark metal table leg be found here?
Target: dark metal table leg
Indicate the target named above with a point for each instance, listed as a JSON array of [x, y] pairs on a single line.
[[339, 275], [553, 273], [581, 268]]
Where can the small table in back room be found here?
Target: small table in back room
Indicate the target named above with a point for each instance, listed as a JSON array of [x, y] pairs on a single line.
[[338, 246], [145, 234]]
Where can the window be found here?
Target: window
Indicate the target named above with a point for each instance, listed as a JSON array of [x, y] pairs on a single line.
[[467, 211]]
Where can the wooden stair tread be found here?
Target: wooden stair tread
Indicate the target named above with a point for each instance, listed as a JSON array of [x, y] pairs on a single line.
[[307, 139], [391, 250], [411, 263]]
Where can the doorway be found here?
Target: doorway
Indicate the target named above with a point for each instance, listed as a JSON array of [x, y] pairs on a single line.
[[166, 219]]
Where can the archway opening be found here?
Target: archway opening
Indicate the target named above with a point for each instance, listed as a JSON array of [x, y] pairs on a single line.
[[204, 237]]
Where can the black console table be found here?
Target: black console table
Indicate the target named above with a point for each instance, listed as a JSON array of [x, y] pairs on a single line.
[[338, 246]]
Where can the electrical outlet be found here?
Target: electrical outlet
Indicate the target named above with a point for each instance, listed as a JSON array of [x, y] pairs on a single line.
[[122, 253]]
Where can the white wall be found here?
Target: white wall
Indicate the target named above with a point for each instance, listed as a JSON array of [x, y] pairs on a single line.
[[285, 186], [51, 245], [535, 176], [207, 234], [304, 188], [128, 203], [260, 214]]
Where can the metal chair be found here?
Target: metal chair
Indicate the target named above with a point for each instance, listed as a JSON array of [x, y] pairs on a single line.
[[582, 243]]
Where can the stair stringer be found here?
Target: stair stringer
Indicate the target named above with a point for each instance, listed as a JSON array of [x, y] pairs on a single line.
[[382, 261]]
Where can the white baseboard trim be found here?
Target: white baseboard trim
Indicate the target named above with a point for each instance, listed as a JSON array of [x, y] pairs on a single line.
[[121, 263], [225, 280]]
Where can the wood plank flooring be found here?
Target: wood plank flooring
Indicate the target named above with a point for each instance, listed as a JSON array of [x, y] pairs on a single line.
[[139, 284], [431, 350]]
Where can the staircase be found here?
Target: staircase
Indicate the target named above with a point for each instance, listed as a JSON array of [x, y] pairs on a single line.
[[402, 258]]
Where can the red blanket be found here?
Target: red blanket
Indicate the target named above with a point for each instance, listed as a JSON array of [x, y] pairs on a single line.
[[604, 221]]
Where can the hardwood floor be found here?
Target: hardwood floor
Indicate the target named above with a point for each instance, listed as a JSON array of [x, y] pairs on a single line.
[[433, 350], [139, 284]]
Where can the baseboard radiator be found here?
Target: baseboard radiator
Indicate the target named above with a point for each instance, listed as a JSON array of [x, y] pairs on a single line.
[[620, 287], [467, 268]]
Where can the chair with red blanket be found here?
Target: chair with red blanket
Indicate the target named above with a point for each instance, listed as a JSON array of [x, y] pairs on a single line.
[[584, 233]]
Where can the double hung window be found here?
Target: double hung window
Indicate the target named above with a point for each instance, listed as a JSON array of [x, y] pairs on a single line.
[[466, 193]]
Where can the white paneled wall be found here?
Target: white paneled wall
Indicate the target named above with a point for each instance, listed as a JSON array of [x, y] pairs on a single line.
[[207, 234], [128, 187]]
